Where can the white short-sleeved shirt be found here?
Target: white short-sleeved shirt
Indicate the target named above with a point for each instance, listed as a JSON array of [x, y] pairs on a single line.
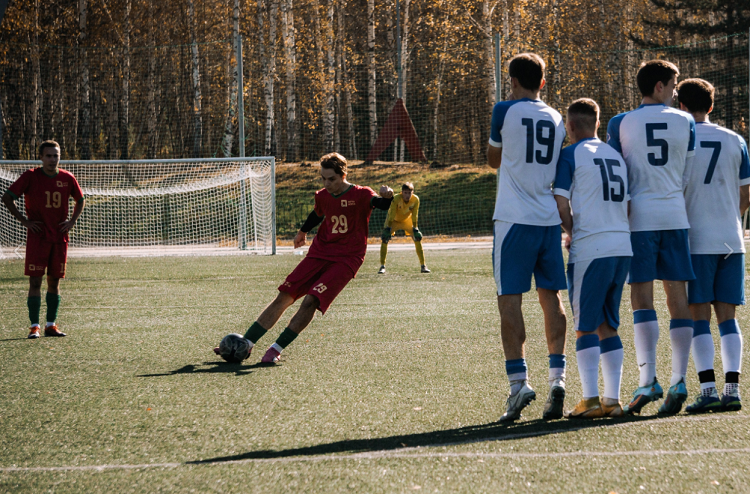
[[712, 192], [531, 135], [656, 142], [593, 176]]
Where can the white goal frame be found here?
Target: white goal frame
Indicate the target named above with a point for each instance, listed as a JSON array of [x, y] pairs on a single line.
[[232, 200]]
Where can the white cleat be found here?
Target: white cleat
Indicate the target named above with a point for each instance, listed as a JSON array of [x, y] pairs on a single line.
[[381, 270], [517, 402]]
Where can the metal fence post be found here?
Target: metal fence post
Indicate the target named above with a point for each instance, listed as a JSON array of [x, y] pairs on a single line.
[[498, 73]]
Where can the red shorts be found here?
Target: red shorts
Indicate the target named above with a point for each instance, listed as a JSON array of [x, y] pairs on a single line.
[[320, 278], [44, 256]]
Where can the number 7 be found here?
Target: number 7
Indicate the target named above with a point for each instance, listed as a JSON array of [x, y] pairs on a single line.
[[716, 146]]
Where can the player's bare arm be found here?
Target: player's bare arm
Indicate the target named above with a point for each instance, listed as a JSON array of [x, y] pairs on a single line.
[[66, 226], [744, 198], [566, 215], [494, 156], [34, 226]]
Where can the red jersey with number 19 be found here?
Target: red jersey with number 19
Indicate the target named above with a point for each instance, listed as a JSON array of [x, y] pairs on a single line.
[[342, 236], [46, 200]]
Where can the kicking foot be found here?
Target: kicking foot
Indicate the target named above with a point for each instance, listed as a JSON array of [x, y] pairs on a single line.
[[271, 357]]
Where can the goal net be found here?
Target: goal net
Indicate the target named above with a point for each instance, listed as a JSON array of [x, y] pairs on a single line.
[[161, 207]]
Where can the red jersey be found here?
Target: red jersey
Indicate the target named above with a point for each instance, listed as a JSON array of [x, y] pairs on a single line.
[[46, 199], [343, 234]]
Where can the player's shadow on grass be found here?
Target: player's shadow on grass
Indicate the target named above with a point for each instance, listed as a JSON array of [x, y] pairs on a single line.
[[217, 367], [15, 339], [452, 437]]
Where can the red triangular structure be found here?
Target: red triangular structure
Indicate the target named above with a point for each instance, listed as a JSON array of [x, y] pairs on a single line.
[[398, 125]]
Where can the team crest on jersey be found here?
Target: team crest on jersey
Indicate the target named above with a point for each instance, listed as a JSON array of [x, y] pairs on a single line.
[[62, 184], [343, 203], [351, 203]]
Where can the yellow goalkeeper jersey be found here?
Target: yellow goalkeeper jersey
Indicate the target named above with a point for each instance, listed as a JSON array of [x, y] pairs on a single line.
[[401, 211]]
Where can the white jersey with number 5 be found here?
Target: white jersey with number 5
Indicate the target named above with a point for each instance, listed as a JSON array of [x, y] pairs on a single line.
[[531, 135], [712, 195], [594, 178], [656, 142]]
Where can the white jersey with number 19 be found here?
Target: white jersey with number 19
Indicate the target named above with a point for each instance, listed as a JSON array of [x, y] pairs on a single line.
[[531, 136], [656, 142], [712, 195]]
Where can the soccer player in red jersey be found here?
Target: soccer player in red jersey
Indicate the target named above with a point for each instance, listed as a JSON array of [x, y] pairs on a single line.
[[46, 192], [336, 254]]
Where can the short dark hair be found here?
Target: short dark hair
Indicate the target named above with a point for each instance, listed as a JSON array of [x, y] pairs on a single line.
[[652, 72], [408, 186], [528, 68], [47, 144], [696, 94], [335, 162], [585, 112]]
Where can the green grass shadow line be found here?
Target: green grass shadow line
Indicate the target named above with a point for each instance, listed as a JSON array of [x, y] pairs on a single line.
[[491, 432], [218, 368]]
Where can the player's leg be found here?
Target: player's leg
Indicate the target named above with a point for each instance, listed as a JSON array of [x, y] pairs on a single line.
[[675, 267], [383, 255], [730, 292], [52, 298], [513, 264], [409, 230], [34, 304], [700, 295], [549, 275], [331, 281]]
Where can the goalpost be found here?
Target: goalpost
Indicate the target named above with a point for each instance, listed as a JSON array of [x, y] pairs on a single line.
[[210, 206]]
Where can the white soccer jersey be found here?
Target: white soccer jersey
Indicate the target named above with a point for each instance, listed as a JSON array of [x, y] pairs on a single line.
[[656, 142], [593, 176], [712, 193], [531, 135]]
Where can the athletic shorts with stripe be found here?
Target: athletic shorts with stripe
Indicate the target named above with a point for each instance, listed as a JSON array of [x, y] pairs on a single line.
[[321, 278], [718, 278], [595, 291], [520, 251]]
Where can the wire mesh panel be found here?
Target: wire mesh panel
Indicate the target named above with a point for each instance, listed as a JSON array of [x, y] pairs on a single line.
[[161, 207]]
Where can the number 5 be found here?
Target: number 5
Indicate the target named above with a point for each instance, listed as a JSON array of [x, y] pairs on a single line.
[[651, 141]]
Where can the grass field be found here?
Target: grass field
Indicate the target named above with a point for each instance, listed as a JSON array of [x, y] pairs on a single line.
[[375, 396]]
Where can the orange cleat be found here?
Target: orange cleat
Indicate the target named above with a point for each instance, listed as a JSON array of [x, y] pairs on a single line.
[[53, 331], [34, 333]]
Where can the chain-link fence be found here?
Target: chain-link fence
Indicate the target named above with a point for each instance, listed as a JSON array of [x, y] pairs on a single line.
[[180, 102]]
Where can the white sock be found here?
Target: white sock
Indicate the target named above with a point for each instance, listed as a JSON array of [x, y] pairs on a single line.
[[731, 346], [517, 374], [611, 357], [35, 325], [587, 351], [681, 334], [50, 324], [276, 347], [556, 376], [702, 346], [646, 335], [731, 388], [707, 386]]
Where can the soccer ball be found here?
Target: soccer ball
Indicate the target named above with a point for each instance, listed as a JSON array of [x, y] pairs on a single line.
[[234, 348]]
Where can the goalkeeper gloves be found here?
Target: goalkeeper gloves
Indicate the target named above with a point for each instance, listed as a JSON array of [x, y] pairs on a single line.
[[417, 234], [386, 235]]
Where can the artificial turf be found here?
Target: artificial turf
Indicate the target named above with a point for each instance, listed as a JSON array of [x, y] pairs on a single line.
[[396, 389]]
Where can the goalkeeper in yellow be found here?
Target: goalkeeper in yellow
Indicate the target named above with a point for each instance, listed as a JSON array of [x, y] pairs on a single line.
[[402, 215]]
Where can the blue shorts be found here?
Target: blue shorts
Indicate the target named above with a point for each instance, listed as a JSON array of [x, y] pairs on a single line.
[[660, 255], [718, 279], [595, 290], [522, 250]]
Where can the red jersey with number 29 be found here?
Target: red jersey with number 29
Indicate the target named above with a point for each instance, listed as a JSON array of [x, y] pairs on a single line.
[[46, 200], [342, 236]]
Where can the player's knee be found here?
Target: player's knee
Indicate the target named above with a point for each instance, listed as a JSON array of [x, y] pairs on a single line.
[[310, 302], [35, 282], [53, 283]]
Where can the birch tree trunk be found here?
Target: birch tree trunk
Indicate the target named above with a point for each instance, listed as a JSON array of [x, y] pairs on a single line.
[[436, 111], [329, 77], [404, 65], [151, 90], [351, 141], [489, 52], [125, 100], [371, 74], [85, 83], [270, 70], [234, 78], [290, 48], [195, 59], [36, 85]]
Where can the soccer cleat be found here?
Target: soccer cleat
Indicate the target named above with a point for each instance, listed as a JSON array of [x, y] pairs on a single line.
[[518, 402], [705, 403], [644, 395], [381, 270], [425, 269], [731, 402], [53, 331], [611, 407], [271, 356], [589, 408], [34, 333], [553, 408], [676, 396]]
